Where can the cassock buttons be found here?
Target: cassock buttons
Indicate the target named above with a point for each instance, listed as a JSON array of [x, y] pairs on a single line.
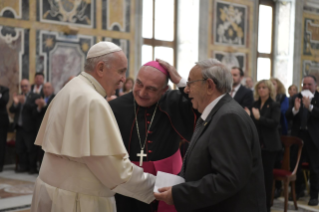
[[149, 142], [149, 151], [147, 114], [148, 122], [149, 132]]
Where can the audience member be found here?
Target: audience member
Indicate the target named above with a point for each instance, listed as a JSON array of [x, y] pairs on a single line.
[[281, 98], [25, 124], [249, 83], [304, 113], [38, 83], [222, 166], [265, 113], [4, 123], [128, 86], [42, 105], [292, 90], [241, 94]]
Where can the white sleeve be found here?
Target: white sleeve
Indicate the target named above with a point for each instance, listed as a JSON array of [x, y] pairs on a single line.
[[182, 83], [120, 175], [294, 111]]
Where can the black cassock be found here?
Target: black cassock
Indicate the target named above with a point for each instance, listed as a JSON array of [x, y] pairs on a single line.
[[174, 122]]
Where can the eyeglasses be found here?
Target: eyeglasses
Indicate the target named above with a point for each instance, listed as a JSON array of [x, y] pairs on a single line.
[[190, 82]]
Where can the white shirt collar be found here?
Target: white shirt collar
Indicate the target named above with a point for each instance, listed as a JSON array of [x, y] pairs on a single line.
[[237, 87], [210, 106], [95, 83]]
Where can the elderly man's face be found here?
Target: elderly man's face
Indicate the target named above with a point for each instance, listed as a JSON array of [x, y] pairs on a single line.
[[149, 87], [47, 89], [309, 84], [249, 82], [196, 89], [25, 86], [115, 74]]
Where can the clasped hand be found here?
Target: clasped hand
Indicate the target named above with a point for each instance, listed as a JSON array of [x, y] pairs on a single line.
[[165, 195]]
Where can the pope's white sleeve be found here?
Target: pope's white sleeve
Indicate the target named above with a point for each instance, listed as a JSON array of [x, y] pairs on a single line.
[[120, 175]]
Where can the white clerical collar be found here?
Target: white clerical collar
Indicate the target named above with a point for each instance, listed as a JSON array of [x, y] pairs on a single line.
[[95, 83], [210, 107]]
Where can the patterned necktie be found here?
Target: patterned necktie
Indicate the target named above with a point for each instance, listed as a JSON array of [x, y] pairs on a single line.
[[198, 129]]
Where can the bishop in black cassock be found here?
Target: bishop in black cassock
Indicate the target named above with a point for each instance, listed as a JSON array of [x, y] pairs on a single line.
[[174, 120]]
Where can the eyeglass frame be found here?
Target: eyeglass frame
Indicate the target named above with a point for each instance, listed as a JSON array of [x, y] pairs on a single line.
[[188, 83]]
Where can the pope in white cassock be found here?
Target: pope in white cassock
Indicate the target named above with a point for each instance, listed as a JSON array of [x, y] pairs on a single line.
[[85, 161]]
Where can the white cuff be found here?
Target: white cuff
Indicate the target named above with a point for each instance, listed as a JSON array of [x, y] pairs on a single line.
[[139, 186], [182, 83], [294, 111], [310, 108]]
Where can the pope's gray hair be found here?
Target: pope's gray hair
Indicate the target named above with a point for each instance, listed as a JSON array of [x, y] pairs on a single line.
[[92, 62], [218, 72]]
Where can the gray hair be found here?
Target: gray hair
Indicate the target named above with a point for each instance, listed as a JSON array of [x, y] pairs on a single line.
[[92, 62], [218, 72]]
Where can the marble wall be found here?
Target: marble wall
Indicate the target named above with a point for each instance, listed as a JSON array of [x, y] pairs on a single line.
[[53, 36], [310, 39], [231, 34]]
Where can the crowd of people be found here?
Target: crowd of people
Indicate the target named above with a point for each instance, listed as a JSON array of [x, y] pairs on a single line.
[[141, 126]]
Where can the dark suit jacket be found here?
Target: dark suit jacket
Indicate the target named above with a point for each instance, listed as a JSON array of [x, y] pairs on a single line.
[[40, 114], [223, 169], [41, 91], [267, 125], [313, 118], [4, 119], [28, 118], [244, 97]]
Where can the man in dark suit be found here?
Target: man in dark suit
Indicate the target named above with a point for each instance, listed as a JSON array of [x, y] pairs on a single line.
[[42, 105], [37, 87], [222, 167], [304, 114], [25, 124], [240, 93], [4, 123]]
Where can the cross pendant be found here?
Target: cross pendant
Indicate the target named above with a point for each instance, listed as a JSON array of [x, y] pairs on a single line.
[[141, 155]]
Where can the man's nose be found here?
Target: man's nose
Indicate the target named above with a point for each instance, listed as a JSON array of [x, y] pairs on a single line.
[[186, 90], [143, 92]]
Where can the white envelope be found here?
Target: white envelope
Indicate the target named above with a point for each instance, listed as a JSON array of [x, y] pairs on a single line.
[[307, 93], [164, 179]]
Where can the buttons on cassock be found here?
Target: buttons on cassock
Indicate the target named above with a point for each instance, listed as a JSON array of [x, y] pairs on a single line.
[[150, 151], [149, 141]]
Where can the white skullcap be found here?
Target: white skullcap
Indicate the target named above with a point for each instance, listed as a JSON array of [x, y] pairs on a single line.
[[102, 48]]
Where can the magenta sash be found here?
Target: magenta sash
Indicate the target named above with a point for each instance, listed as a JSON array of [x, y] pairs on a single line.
[[172, 164]]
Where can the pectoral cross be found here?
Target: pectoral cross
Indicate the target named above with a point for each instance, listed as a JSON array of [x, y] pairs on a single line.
[[141, 155]]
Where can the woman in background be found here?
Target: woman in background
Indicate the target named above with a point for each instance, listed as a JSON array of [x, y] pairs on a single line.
[[128, 86], [265, 113]]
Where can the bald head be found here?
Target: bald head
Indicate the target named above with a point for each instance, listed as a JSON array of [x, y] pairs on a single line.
[[47, 89], [25, 86], [150, 86]]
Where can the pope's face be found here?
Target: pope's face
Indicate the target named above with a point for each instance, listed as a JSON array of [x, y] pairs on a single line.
[[115, 73], [150, 85]]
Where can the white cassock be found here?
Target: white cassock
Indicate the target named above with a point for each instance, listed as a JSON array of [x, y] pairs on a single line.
[[85, 161]]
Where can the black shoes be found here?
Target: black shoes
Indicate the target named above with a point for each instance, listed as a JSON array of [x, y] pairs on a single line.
[[313, 202]]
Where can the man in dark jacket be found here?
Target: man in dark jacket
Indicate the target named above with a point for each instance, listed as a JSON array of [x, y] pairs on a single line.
[[304, 114], [25, 124], [222, 167], [4, 123]]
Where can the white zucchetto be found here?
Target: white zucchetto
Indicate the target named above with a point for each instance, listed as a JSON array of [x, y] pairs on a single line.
[[102, 48]]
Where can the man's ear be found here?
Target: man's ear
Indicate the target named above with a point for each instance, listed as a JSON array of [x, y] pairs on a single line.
[[165, 89], [211, 86]]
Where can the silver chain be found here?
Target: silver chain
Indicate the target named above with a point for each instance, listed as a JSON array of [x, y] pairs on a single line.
[[149, 127]]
